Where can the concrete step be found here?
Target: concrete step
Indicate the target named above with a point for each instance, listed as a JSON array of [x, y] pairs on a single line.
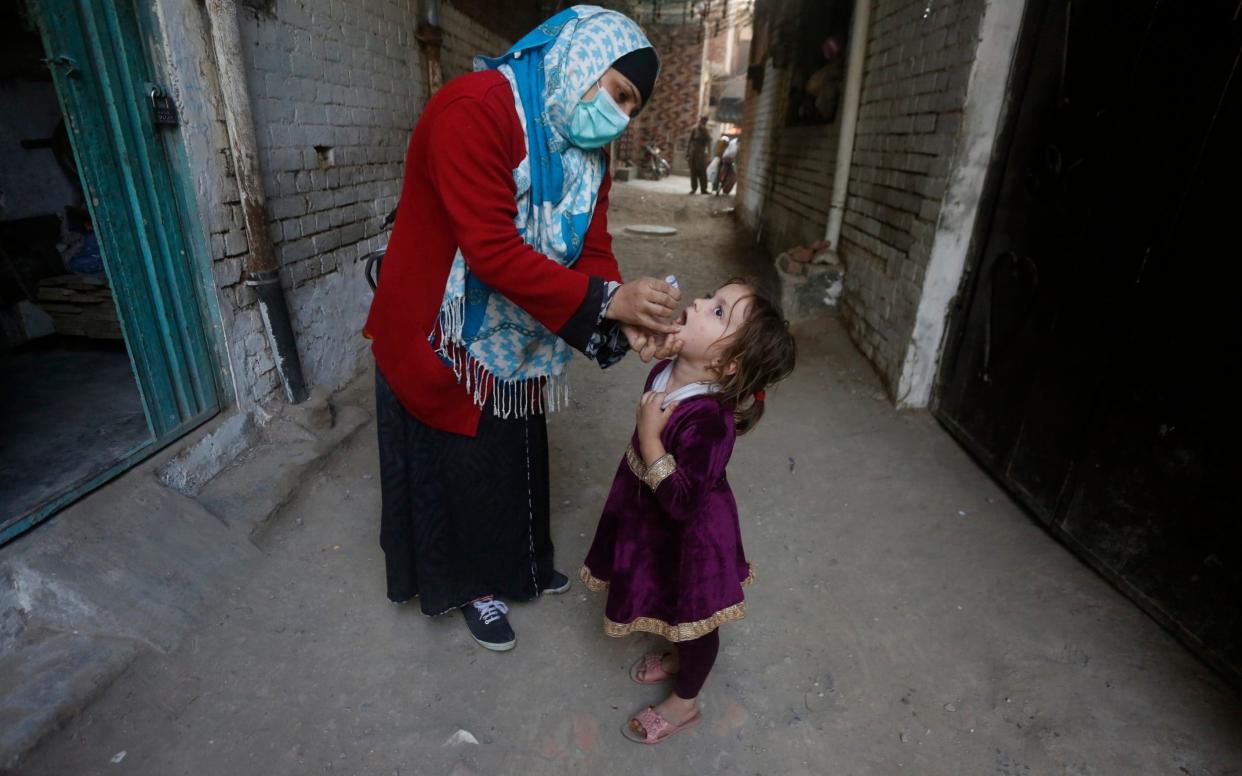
[[252, 490]]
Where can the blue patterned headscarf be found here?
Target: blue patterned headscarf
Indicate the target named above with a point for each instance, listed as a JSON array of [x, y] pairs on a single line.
[[498, 348]]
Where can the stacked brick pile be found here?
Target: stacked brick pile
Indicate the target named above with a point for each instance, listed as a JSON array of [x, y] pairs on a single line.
[[799, 259]]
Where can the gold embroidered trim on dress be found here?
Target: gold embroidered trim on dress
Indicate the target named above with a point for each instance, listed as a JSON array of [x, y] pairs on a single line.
[[685, 631], [660, 470], [654, 474], [680, 632], [636, 463], [750, 576], [592, 583]]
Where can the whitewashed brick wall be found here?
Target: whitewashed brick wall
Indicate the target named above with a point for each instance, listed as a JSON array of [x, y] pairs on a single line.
[[336, 86], [914, 90]]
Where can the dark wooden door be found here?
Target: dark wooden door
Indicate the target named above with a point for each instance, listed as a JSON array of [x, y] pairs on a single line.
[[1091, 357]]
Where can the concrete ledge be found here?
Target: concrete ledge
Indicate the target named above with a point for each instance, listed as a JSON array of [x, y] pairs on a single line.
[[203, 458], [126, 569], [131, 567], [251, 491]]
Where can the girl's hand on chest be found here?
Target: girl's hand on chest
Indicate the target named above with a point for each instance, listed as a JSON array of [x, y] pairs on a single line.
[[651, 418]]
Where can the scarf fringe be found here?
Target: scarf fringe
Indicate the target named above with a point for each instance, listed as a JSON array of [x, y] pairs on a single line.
[[516, 398]]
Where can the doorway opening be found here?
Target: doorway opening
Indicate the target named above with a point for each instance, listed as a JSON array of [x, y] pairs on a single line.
[[69, 402], [106, 354]]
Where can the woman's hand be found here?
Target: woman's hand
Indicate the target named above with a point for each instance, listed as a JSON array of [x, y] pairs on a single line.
[[651, 421], [648, 303], [667, 346], [648, 345]]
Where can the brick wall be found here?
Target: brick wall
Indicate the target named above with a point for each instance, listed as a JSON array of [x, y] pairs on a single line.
[[914, 91], [674, 108], [463, 39], [785, 173], [754, 163], [368, 84], [335, 88], [518, 18], [359, 85]]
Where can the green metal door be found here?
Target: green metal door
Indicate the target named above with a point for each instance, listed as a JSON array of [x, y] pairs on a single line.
[[98, 59]]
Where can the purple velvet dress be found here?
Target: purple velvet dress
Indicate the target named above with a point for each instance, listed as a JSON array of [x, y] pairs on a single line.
[[671, 559]]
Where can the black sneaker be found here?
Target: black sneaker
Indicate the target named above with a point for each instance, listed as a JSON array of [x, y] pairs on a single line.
[[488, 625], [559, 583]]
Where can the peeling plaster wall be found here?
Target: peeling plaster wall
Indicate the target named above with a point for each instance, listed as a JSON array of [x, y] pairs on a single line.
[[189, 73]]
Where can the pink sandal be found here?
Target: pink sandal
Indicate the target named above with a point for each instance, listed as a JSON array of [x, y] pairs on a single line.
[[643, 670], [655, 727]]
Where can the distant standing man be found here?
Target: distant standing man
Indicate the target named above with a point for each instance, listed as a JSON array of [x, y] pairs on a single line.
[[696, 154]]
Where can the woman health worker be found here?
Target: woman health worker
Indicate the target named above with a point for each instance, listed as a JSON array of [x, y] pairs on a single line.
[[499, 266]]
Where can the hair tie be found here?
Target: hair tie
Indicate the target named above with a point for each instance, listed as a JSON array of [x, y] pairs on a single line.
[[759, 396]]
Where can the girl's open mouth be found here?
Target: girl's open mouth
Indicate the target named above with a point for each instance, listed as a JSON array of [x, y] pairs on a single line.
[[681, 319]]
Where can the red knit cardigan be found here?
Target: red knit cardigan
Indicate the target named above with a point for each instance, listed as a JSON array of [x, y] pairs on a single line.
[[459, 192]]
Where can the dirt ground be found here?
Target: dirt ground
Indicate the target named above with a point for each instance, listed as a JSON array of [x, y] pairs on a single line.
[[907, 618]]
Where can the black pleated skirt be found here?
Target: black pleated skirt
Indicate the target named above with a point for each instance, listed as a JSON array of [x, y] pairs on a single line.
[[462, 517]]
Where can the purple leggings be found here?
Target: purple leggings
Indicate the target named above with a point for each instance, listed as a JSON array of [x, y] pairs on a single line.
[[695, 659]]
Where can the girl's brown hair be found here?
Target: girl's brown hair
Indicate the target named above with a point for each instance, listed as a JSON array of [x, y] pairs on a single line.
[[765, 352]]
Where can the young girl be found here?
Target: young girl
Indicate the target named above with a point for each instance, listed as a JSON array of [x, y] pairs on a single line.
[[668, 548]]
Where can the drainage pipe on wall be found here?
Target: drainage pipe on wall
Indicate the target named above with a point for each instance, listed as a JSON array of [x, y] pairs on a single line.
[[260, 267], [859, 27]]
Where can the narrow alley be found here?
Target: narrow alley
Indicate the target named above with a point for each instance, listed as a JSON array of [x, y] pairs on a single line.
[[908, 616]]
